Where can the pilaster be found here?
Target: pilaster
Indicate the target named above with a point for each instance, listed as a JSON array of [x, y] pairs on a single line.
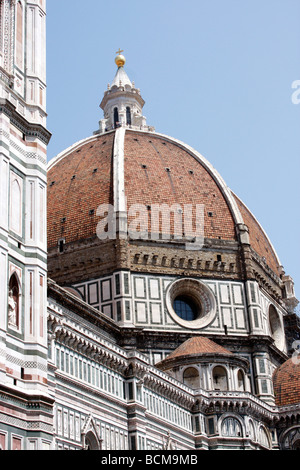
[[23, 183]]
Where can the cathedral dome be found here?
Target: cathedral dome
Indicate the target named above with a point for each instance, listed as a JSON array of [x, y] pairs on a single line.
[[156, 169], [286, 383], [127, 166]]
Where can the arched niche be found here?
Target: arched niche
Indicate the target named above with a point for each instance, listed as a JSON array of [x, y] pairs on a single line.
[[14, 294], [241, 381], [264, 438], [91, 442], [275, 325], [19, 35], [191, 377], [231, 427], [220, 378]]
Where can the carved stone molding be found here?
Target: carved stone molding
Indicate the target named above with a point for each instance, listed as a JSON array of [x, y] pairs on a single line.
[[27, 128]]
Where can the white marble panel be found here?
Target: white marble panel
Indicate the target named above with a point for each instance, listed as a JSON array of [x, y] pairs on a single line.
[[106, 290], [93, 293], [155, 313], [240, 318], [227, 317], [237, 294], [154, 289], [140, 287], [224, 293], [141, 312]]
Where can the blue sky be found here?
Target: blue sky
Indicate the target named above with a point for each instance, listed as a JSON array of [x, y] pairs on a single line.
[[216, 74]]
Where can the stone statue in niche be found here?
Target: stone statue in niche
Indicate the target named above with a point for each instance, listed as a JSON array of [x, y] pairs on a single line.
[[12, 309], [168, 445]]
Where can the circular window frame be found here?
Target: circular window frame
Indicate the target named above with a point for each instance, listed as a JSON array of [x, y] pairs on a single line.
[[202, 296]]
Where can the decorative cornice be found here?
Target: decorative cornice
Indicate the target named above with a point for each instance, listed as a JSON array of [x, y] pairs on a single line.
[[83, 309], [96, 352], [7, 78], [21, 399], [27, 128], [121, 93], [239, 402]]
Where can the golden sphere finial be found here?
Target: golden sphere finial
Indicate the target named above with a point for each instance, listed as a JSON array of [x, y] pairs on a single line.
[[120, 59]]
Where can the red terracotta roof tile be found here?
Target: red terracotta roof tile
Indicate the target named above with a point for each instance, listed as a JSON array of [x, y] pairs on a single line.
[[78, 189], [173, 176], [196, 346], [286, 382]]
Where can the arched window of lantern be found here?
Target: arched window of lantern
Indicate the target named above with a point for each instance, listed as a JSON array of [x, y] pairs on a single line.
[[191, 377], [241, 381], [116, 117], [128, 116], [19, 35], [14, 295], [220, 379]]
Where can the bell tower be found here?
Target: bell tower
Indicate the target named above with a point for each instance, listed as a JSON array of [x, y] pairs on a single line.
[[23, 249], [23, 57]]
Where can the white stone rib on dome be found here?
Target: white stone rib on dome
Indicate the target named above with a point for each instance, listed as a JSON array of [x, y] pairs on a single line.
[[70, 149], [261, 228]]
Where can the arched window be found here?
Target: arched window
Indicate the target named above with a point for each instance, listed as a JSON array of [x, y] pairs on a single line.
[[291, 439], [241, 381], [128, 116], [116, 117], [231, 427], [220, 381], [19, 35], [296, 445], [191, 378], [14, 301], [264, 438], [16, 206]]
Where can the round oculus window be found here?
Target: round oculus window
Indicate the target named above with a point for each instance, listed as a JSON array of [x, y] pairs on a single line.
[[186, 308], [191, 303]]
